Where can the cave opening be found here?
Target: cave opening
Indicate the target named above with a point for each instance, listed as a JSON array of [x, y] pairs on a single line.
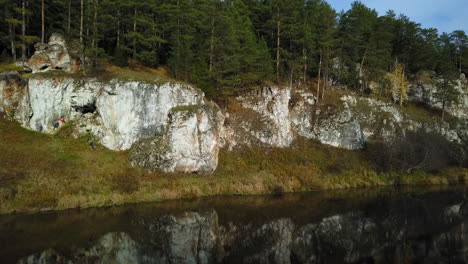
[[87, 108]]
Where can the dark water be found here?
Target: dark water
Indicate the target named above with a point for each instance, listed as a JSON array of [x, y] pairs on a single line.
[[388, 225]]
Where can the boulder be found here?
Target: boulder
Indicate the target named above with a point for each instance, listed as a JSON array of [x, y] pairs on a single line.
[[53, 56]]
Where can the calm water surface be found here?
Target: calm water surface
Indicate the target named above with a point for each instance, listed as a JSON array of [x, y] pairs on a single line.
[[387, 225]]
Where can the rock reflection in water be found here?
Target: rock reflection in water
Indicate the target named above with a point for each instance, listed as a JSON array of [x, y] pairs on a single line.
[[347, 227]]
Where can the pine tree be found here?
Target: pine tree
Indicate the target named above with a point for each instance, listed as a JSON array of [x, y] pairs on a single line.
[[447, 94], [357, 30]]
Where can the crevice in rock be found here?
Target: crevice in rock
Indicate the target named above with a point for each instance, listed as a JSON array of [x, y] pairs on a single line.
[[87, 108], [110, 93], [44, 67]]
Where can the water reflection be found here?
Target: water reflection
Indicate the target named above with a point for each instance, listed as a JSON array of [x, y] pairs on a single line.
[[354, 226]]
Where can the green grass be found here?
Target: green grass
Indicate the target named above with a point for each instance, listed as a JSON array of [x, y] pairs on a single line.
[[9, 67], [51, 172], [420, 113]]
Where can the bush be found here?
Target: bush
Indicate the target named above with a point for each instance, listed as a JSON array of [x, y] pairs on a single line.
[[417, 150]]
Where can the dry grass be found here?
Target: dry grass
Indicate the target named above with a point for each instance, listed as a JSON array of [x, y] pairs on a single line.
[[50, 172], [108, 72], [421, 113], [136, 73]]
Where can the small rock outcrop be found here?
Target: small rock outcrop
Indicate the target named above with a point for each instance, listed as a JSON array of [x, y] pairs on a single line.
[[12, 92], [53, 56], [424, 91]]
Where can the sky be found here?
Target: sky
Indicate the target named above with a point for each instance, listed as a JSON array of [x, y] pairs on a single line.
[[445, 15]]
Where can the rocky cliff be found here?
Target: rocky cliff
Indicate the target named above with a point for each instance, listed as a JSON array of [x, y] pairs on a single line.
[[171, 126], [276, 116], [120, 113]]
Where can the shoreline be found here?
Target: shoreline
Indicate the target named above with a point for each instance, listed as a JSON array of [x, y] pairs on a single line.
[[57, 172], [31, 211]]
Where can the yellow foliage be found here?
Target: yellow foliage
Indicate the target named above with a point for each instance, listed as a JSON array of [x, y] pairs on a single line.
[[401, 87]]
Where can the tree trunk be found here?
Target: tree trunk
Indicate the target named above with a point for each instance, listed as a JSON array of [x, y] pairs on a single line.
[[177, 71], [135, 12], [318, 77], [304, 54], [443, 110], [460, 62], [12, 41], [27, 23], [118, 29], [23, 30], [87, 19], [361, 69], [93, 39], [212, 45], [69, 18], [81, 21], [325, 72], [43, 21], [278, 43], [95, 33]]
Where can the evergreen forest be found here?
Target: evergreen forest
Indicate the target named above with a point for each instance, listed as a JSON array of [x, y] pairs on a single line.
[[225, 46]]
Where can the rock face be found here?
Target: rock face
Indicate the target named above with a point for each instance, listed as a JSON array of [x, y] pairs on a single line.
[[275, 117], [53, 56], [171, 126], [351, 124], [12, 91], [272, 106], [425, 89], [120, 113], [133, 110], [190, 144]]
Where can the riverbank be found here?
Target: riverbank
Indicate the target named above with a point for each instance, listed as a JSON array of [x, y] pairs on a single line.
[[41, 172]]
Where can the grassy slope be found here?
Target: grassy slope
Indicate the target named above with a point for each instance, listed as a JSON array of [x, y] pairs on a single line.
[[45, 172]]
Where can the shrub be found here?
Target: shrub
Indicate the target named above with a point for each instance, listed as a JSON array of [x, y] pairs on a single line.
[[417, 150]]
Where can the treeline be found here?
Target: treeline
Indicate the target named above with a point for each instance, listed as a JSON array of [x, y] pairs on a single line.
[[225, 45]]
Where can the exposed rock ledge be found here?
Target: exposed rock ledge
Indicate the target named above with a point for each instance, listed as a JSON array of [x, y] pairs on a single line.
[[119, 114], [171, 126]]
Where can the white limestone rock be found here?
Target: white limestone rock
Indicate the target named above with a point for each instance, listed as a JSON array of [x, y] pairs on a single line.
[[132, 110], [53, 98], [119, 114], [191, 143], [268, 120]]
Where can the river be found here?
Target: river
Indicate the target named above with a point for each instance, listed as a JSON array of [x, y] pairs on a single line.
[[381, 225]]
